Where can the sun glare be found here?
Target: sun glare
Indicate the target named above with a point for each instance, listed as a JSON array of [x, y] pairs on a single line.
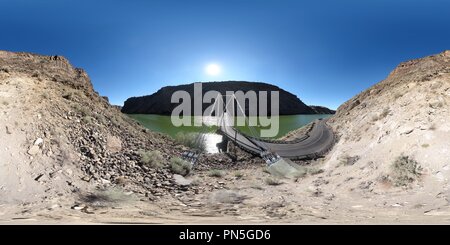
[[212, 69]]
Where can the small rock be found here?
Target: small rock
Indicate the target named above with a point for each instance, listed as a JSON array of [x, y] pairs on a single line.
[[351, 160], [114, 144], [435, 104], [86, 178], [54, 206], [76, 207], [411, 85], [34, 149], [330, 197], [87, 210], [406, 130], [68, 171], [180, 180], [38, 177], [38, 141], [227, 197], [104, 181], [121, 180]]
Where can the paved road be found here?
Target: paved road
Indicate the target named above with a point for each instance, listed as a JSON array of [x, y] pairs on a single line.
[[319, 140]]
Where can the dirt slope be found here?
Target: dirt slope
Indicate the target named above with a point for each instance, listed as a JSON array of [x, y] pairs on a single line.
[[59, 137], [406, 115]]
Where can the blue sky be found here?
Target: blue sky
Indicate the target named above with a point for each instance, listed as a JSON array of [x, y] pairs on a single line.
[[325, 52]]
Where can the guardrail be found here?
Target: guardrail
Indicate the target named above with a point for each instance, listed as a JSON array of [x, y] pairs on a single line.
[[255, 151]]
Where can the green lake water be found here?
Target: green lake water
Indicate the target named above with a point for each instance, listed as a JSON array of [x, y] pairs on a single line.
[[163, 124]]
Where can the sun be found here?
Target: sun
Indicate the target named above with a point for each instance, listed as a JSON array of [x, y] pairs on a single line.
[[212, 69]]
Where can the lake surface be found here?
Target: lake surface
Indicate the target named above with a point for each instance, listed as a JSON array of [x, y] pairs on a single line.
[[163, 124]]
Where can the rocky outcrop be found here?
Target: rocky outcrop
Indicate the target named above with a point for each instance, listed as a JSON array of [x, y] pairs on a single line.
[[55, 68], [159, 102], [401, 121], [322, 109], [68, 138]]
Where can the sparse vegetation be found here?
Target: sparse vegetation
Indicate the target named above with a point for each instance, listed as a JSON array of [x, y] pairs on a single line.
[[425, 145], [238, 175], [180, 166], [67, 95], [375, 118], [83, 110], [228, 196], [273, 181], [347, 160], [105, 198], [314, 170], [117, 120], [44, 95], [384, 113], [381, 115], [436, 104], [72, 95], [195, 182], [405, 170], [436, 85], [87, 119], [152, 159], [190, 140], [101, 119], [216, 173], [397, 95], [121, 180], [302, 171], [432, 127], [257, 187]]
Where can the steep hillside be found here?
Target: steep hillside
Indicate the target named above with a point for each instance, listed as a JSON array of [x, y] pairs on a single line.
[[322, 110], [60, 138], [397, 134], [159, 102]]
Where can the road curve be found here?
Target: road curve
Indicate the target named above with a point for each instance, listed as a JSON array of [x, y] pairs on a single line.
[[319, 140]]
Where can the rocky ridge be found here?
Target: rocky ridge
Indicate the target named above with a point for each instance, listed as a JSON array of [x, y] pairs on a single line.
[[69, 138], [401, 121], [160, 102], [322, 110]]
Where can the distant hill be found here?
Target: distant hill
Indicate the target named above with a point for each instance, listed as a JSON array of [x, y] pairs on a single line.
[[159, 102], [322, 109]]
